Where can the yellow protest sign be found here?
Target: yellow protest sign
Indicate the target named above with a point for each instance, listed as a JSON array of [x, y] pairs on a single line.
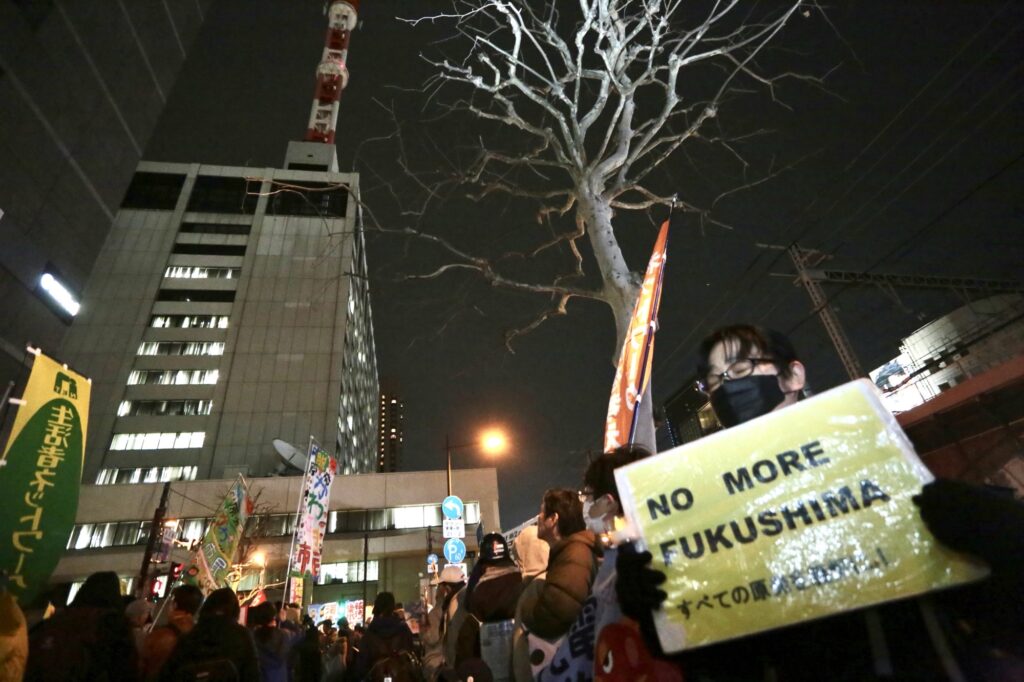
[[797, 515]]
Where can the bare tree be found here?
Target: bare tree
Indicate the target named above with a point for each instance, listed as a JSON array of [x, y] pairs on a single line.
[[580, 108]]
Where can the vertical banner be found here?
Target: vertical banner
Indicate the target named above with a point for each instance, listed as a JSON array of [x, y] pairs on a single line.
[[311, 522], [41, 473], [634, 370], [216, 553]]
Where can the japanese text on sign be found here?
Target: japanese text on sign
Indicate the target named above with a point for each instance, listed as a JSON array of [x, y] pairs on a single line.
[[796, 515]]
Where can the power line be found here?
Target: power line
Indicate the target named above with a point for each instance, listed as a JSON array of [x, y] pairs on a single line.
[[914, 235]]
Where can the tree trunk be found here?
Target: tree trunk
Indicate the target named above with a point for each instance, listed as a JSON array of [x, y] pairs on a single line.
[[621, 288]]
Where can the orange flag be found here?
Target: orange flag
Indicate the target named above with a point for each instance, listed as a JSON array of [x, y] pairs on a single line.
[[634, 370]]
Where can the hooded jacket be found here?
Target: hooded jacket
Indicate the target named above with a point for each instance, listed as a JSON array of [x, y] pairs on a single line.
[[572, 566]]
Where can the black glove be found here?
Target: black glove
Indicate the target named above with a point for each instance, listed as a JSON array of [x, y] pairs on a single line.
[[636, 583], [976, 520]]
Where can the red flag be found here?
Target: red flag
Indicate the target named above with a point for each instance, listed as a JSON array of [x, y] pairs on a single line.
[[634, 372]]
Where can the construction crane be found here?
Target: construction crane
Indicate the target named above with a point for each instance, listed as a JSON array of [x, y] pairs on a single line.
[[332, 72]]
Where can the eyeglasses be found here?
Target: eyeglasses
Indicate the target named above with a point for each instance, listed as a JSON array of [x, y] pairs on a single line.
[[737, 370]]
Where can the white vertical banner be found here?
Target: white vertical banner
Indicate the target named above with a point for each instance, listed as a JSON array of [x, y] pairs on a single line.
[[312, 515]]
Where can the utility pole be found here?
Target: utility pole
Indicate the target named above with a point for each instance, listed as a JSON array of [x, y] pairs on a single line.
[[800, 258], [366, 554], [155, 532]]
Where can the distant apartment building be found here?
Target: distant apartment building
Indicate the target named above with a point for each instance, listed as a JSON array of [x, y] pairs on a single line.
[[82, 85], [390, 437], [229, 307]]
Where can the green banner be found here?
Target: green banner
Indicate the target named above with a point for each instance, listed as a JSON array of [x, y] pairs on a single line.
[[41, 475], [213, 567]]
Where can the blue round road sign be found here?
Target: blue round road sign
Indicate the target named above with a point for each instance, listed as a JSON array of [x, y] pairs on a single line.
[[452, 507], [431, 559], [455, 551]]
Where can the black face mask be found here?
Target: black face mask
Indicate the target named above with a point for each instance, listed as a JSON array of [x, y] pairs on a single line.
[[741, 400]]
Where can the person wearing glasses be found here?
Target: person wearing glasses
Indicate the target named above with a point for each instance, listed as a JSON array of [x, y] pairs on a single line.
[[747, 372]]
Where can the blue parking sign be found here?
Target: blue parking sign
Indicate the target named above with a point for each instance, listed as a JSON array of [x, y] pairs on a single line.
[[455, 550]]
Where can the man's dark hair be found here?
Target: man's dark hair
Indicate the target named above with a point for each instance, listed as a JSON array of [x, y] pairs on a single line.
[[262, 614], [187, 598], [599, 479], [101, 590], [747, 337], [384, 604], [222, 602], [566, 503]]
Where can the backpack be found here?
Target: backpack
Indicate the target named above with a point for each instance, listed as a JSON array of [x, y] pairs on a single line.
[[392, 663], [210, 670], [398, 666]]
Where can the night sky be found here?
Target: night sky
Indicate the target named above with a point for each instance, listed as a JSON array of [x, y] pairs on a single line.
[[910, 163]]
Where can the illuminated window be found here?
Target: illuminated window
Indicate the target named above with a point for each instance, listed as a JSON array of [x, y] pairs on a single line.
[[157, 441], [164, 407], [189, 321], [180, 348], [174, 376], [198, 272]]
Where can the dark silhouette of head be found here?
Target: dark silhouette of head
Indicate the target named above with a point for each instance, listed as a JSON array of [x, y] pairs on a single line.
[[101, 590], [187, 598], [384, 604], [223, 603]]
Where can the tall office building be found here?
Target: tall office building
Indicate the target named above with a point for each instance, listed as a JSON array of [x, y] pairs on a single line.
[[389, 437], [82, 85], [229, 307]]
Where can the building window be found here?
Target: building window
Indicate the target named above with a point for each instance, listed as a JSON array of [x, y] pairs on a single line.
[[215, 194], [214, 228], [210, 249], [196, 295], [181, 348], [132, 408], [197, 272], [347, 572], [158, 191], [158, 440], [189, 321], [310, 199], [146, 475], [173, 376]]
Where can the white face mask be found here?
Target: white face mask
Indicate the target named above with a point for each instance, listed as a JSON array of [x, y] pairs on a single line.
[[595, 524]]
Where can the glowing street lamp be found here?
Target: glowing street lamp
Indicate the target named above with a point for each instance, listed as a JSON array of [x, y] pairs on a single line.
[[492, 441]]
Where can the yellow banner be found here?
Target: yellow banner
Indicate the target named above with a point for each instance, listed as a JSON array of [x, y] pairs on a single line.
[[797, 515], [41, 473]]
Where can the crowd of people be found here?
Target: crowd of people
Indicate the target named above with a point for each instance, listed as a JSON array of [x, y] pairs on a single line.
[[563, 603]]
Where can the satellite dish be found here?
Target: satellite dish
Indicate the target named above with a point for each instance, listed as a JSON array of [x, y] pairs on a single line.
[[291, 455]]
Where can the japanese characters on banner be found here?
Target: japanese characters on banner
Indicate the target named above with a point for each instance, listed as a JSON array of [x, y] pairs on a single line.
[[216, 554], [41, 475], [634, 370], [311, 524], [799, 514]]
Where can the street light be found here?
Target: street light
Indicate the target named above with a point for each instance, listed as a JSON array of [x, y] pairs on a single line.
[[491, 441]]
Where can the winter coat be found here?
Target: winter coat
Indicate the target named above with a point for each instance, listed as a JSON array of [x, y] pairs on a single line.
[[215, 637], [273, 646], [83, 643], [493, 599], [572, 566], [160, 642], [386, 634]]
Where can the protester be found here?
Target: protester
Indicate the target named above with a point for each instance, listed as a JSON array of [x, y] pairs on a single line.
[[90, 640], [160, 642], [13, 638], [292, 617], [138, 612], [307, 663], [217, 647], [273, 644], [387, 642], [574, 658], [572, 565], [449, 583], [749, 372], [532, 556], [490, 596]]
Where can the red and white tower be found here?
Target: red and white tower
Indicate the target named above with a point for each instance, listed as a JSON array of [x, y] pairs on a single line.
[[332, 73]]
